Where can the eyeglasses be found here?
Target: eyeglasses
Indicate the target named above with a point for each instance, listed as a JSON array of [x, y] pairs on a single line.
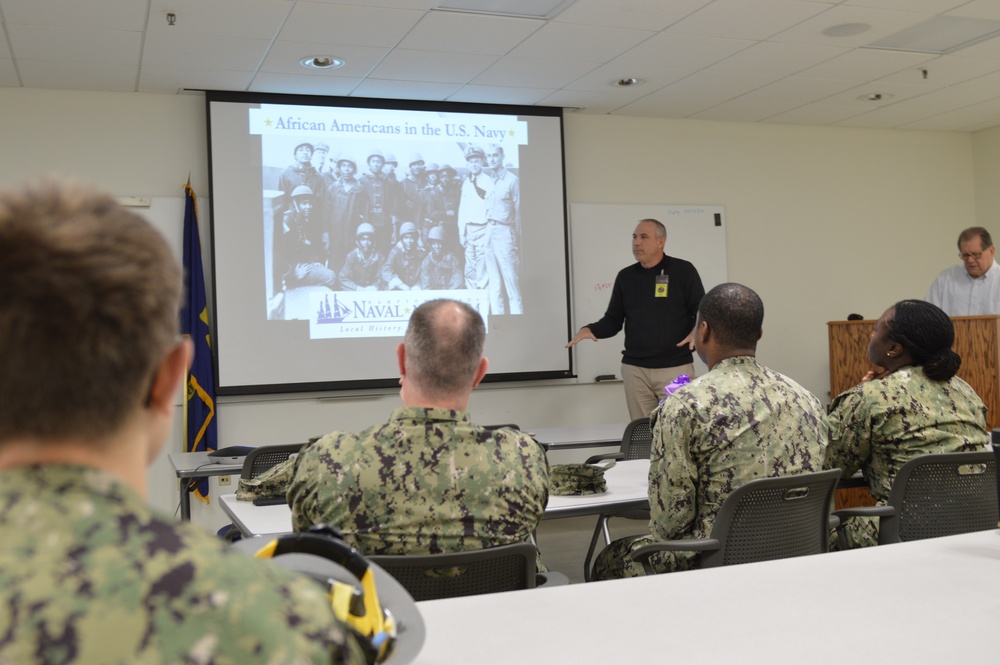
[[965, 256]]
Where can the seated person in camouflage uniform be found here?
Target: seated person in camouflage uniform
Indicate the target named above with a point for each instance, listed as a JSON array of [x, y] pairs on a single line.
[[915, 407], [89, 300], [429, 480], [739, 422]]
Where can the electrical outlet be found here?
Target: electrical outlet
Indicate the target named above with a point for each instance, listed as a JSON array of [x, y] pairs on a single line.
[[225, 480]]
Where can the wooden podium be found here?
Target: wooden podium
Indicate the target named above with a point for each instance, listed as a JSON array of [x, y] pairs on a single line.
[[977, 340]]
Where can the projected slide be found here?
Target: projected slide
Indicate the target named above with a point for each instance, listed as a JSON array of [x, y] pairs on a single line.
[[333, 220]]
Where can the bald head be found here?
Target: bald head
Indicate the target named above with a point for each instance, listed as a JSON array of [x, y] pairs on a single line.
[[444, 346]]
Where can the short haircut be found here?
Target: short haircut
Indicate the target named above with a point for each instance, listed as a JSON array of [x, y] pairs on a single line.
[[661, 230], [735, 313], [927, 334], [443, 351], [89, 297], [975, 232]]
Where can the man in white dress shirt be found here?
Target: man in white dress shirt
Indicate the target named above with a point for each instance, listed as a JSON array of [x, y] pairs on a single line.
[[973, 288]]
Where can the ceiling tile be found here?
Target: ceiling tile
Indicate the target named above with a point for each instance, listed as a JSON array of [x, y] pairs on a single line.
[[739, 19], [487, 94], [561, 41], [797, 90], [603, 78], [883, 22], [260, 19], [988, 9], [469, 33], [661, 104], [343, 24], [866, 65], [431, 66], [203, 51], [687, 52], [775, 59], [635, 14], [35, 42], [719, 86], [103, 15], [944, 71], [928, 6], [532, 73]]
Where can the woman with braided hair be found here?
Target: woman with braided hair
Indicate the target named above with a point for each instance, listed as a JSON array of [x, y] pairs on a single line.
[[914, 407]]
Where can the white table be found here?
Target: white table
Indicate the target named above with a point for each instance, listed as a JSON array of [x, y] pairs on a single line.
[[197, 465], [578, 436], [932, 601], [627, 490]]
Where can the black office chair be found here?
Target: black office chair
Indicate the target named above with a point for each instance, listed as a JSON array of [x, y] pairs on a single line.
[[263, 458], [940, 494], [491, 570], [258, 461], [765, 519], [637, 441]]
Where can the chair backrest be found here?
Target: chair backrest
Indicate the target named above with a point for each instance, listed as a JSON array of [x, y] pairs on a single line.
[[774, 518], [433, 576], [637, 439], [262, 458], [942, 494]]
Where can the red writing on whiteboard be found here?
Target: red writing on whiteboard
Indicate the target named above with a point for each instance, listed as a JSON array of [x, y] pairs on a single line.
[[603, 286]]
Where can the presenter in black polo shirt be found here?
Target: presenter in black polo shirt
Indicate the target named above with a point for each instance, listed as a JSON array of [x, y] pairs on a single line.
[[656, 300]]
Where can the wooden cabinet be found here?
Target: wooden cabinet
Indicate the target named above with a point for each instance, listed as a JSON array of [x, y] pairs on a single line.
[[977, 341]]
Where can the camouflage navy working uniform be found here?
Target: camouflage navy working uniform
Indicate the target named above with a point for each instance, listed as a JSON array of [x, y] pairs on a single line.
[[880, 425], [88, 574], [739, 422], [426, 482]]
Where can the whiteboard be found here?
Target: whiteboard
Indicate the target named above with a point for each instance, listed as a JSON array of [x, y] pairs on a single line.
[[600, 244]]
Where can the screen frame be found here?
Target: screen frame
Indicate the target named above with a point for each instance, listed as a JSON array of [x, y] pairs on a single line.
[[354, 385]]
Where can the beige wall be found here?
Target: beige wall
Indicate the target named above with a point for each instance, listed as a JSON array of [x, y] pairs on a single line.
[[986, 150], [821, 222]]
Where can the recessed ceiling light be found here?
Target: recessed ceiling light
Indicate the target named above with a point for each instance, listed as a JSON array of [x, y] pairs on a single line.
[[626, 82], [847, 29], [321, 62]]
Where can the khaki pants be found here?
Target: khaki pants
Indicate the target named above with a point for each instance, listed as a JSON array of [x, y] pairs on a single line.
[[644, 386]]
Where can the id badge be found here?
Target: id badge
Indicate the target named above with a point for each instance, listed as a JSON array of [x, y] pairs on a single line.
[[662, 282]]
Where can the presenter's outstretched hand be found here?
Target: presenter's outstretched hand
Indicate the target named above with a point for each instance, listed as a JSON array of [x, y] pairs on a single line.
[[689, 340], [582, 335]]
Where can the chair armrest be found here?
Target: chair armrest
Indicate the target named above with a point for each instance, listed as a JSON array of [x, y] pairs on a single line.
[[642, 554], [551, 578], [594, 459], [844, 515]]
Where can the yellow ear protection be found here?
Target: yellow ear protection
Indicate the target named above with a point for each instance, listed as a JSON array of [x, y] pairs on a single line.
[[358, 608]]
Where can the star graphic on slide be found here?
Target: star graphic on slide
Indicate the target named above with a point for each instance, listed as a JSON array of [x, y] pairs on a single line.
[[267, 122]]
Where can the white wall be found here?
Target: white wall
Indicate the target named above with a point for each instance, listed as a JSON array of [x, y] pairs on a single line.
[[822, 222]]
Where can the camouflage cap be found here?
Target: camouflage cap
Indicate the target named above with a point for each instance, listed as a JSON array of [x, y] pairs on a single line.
[[578, 479]]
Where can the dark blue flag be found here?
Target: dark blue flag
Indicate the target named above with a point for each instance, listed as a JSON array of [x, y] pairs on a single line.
[[199, 403]]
